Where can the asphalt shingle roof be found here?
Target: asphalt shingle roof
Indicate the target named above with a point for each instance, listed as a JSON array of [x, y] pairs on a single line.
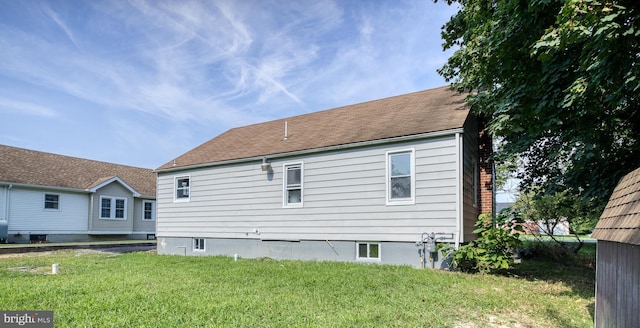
[[415, 113], [620, 220], [18, 165]]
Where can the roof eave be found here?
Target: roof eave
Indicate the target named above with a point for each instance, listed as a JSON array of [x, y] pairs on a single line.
[[316, 150], [36, 186]]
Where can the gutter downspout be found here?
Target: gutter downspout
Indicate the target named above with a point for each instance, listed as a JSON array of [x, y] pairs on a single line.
[[493, 189], [90, 223], [459, 179], [7, 203]]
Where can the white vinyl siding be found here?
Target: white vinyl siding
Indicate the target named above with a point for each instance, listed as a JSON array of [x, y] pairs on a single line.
[[345, 196], [113, 208], [293, 182], [27, 214]]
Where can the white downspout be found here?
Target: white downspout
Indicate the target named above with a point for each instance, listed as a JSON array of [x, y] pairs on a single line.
[[459, 179], [90, 223], [7, 204], [7, 199]]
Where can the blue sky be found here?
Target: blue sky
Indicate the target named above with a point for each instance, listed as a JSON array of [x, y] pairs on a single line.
[[141, 82]]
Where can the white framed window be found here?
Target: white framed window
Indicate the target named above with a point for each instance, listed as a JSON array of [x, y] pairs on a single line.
[[148, 210], [293, 185], [401, 179], [198, 244], [51, 202], [113, 208], [368, 251], [182, 189]]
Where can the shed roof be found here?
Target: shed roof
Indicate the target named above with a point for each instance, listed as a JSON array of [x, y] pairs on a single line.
[[23, 166], [415, 113], [620, 220]]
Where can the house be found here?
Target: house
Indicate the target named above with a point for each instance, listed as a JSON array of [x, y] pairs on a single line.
[[53, 198], [618, 257], [376, 181]]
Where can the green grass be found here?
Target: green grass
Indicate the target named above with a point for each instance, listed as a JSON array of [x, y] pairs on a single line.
[[148, 290]]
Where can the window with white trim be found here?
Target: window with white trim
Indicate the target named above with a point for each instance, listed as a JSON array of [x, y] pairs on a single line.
[[182, 189], [198, 244], [113, 208], [293, 181], [51, 202], [368, 251], [400, 177], [148, 210]]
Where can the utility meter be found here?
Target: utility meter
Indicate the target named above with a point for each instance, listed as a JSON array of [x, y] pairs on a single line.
[[430, 245]]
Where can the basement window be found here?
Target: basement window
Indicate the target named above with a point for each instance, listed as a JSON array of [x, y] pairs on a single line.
[[198, 244], [368, 251]]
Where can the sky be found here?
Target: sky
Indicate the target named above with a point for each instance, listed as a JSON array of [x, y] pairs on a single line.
[[141, 82]]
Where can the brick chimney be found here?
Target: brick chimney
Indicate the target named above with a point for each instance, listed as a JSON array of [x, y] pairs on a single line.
[[485, 144]]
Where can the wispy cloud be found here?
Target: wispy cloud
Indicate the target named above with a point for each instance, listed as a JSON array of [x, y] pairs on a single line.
[[20, 107], [54, 16], [206, 66]]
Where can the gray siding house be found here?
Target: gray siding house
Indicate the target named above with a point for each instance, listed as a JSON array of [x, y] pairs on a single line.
[[618, 257], [53, 198], [364, 182]]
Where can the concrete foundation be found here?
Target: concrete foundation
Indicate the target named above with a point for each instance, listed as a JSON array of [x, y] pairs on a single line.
[[395, 253], [67, 238]]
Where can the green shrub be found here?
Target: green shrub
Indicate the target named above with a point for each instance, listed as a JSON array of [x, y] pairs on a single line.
[[492, 250]]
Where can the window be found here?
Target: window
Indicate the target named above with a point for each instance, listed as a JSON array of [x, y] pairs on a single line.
[[51, 202], [113, 208], [148, 212], [368, 251], [182, 185], [400, 177], [293, 185], [105, 208], [120, 208], [198, 244]]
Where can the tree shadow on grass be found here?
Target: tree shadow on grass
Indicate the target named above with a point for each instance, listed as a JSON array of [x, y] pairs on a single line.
[[576, 271]]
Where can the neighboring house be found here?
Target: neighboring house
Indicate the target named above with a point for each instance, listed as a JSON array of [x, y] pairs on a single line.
[[364, 182], [618, 257], [53, 198]]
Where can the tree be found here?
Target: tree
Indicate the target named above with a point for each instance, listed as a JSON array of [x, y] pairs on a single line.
[[559, 82], [549, 211]]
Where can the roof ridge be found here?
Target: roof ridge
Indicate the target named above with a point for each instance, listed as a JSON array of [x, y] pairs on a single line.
[[415, 113], [72, 157]]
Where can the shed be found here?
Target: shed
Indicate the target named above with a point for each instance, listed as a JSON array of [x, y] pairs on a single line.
[[618, 257]]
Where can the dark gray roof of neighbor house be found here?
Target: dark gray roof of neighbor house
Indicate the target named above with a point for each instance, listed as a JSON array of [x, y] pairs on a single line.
[[23, 166], [433, 110], [620, 220]]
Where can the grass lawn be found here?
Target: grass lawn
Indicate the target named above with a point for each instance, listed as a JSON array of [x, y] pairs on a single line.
[[148, 290]]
